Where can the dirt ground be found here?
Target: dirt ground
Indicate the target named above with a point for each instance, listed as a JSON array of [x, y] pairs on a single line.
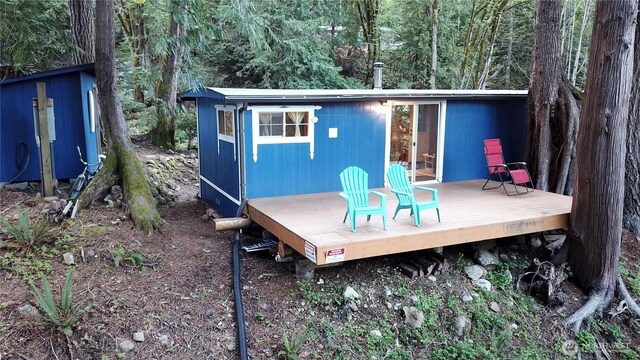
[[180, 296]]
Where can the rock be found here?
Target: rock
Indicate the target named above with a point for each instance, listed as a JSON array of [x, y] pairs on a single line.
[[484, 245], [413, 317], [231, 347], [467, 298], [555, 245], [305, 268], [494, 306], [350, 294], [353, 306], [51, 198], [513, 326], [414, 298], [549, 238], [212, 213], [164, 339], [126, 345], [486, 259], [268, 353], [535, 242], [475, 272], [508, 275], [205, 218], [376, 333], [16, 186], [138, 336], [483, 284], [28, 310], [463, 325], [68, 259], [432, 278], [387, 292], [521, 239], [320, 282]]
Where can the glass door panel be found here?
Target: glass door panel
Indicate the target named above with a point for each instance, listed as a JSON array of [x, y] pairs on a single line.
[[426, 142]]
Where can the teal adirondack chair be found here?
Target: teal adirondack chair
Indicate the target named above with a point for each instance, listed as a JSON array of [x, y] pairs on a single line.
[[399, 180], [355, 183]]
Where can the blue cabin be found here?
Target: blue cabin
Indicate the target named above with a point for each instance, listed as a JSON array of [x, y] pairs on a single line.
[[256, 143], [75, 122]]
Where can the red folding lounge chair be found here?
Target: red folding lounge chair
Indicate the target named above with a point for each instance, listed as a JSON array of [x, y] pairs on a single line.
[[515, 173]]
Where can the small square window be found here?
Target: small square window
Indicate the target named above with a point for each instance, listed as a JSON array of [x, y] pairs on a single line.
[[225, 123]]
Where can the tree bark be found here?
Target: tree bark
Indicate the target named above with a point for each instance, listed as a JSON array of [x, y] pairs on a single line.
[[368, 11], [596, 215], [121, 158], [631, 215], [163, 133], [553, 112], [82, 31], [133, 22], [434, 42]]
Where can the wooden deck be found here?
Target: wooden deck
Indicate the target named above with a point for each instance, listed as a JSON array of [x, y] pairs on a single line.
[[312, 224]]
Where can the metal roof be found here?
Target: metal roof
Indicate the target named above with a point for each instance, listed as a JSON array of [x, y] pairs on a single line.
[[299, 95], [85, 67]]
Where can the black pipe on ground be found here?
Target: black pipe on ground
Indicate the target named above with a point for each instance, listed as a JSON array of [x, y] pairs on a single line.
[[237, 290]]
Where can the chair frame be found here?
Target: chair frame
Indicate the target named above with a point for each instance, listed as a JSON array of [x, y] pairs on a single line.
[[407, 199], [358, 201], [503, 172]]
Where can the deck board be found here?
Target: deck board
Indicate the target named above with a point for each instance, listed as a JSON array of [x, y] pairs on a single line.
[[468, 214]]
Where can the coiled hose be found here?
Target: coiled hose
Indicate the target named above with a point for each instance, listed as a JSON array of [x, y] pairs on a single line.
[[237, 290]]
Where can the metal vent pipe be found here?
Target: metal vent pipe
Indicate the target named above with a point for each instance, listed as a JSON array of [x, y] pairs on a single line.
[[377, 75]]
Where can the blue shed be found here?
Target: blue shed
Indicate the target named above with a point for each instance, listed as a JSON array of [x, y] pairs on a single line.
[[75, 107], [256, 143]]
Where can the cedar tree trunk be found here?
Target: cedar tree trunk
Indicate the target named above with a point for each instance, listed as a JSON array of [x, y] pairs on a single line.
[[631, 215], [163, 134], [82, 36], [596, 214], [553, 113], [122, 163], [434, 42]]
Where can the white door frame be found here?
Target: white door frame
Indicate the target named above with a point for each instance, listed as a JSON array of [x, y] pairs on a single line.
[[414, 134]]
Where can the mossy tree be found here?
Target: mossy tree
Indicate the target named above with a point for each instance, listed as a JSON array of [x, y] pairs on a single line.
[[631, 215], [121, 166]]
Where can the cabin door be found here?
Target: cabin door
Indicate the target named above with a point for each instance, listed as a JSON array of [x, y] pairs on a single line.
[[417, 139]]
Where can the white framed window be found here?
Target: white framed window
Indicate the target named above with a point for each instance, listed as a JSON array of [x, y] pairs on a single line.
[[225, 122], [283, 125], [225, 125]]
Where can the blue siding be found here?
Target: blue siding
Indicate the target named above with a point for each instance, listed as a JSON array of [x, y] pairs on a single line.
[[286, 169], [221, 169], [468, 123], [16, 125]]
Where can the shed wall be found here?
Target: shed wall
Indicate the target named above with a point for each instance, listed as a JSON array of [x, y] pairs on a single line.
[[286, 169], [219, 171], [468, 123], [17, 128]]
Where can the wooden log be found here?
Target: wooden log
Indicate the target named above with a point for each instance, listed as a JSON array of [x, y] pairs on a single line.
[[45, 147], [231, 223]]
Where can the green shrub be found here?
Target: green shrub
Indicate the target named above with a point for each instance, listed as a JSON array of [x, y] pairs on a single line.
[[62, 315], [291, 346]]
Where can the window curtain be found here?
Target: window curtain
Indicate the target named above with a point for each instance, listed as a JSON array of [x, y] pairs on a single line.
[[265, 119], [297, 118]]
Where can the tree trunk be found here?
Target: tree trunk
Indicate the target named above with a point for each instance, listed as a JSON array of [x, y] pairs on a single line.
[[596, 214], [122, 162], [631, 217], [368, 11], [82, 36], [434, 42], [163, 134], [132, 20], [576, 63], [553, 111]]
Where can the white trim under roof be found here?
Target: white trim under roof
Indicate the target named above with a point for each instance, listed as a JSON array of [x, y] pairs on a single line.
[[235, 94]]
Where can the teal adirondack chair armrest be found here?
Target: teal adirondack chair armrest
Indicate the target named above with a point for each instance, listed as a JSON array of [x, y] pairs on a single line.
[[346, 196], [434, 192], [383, 198]]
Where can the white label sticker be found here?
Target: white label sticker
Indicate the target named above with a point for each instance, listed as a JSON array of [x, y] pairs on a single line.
[[335, 255], [310, 251]]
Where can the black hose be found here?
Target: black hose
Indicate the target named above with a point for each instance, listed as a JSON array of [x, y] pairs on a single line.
[[237, 290], [26, 161]]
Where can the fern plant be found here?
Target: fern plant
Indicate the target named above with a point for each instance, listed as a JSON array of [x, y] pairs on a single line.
[[26, 233], [63, 315]]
